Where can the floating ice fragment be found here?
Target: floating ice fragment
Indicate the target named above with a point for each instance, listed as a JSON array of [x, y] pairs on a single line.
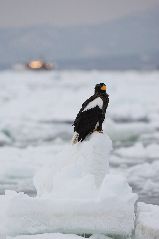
[[147, 224]]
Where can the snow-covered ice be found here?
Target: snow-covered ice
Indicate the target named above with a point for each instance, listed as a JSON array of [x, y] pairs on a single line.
[[58, 236], [127, 132], [147, 223], [108, 214], [99, 236], [77, 164], [147, 152], [19, 165], [36, 113], [48, 236], [83, 197]]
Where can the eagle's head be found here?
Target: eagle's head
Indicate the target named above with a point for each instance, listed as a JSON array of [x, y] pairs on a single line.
[[100, 88]]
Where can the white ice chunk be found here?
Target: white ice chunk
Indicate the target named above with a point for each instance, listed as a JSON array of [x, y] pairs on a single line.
[[140, 174], [80, 196], [147, 225], [108, 213], [85, 164], [126, 131], [47, 236], [99, 236], [139, 151]]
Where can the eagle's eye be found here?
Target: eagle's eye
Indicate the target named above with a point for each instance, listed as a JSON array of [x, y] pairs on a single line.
[[103, 87]]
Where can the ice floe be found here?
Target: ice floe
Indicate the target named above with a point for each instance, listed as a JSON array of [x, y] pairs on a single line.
[[58, 236], [147, 223], [76, 163], [48, 236], [83, 197], [139, 151]]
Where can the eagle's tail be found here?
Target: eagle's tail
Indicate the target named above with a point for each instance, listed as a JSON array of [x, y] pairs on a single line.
[[75, 138]]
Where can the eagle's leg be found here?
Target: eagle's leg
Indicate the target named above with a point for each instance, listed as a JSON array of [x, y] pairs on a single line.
[[98, 128], [99, 131]]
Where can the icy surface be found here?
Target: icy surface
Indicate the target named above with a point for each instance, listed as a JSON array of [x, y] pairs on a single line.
[[77, 194], [99, 236], [108, 213], [58, 236], [147, 224], [149, 152], [47, 236], [111, 211], [77, 170]]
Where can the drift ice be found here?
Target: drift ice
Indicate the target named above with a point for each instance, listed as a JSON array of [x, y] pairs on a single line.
[[78, 196]]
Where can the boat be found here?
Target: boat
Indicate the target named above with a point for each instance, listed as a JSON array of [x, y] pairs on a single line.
[[39, 65]]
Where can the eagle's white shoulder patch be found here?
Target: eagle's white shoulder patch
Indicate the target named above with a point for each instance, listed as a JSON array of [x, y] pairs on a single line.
[[96, 102]]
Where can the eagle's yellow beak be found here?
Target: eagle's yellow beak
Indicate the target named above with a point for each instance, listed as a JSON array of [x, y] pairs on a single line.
[[103, 87]]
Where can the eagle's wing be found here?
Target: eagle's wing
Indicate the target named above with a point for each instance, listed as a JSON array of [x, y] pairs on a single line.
[[84, 105], [87, 122]]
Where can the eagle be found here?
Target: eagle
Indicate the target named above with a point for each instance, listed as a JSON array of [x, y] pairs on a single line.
[[91, 115]]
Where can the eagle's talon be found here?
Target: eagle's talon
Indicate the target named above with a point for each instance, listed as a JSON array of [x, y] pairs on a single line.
[[100, 131]]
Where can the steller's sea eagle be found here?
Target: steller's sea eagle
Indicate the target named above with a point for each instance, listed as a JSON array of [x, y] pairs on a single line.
[[92, 114]]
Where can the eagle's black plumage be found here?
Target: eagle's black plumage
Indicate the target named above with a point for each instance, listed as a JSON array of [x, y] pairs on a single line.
[[91, 119]]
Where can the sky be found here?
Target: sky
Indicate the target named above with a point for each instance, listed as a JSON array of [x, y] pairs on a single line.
[[23, 13]]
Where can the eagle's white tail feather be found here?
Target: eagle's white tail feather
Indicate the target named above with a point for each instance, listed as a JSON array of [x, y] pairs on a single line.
[[75, 138]]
